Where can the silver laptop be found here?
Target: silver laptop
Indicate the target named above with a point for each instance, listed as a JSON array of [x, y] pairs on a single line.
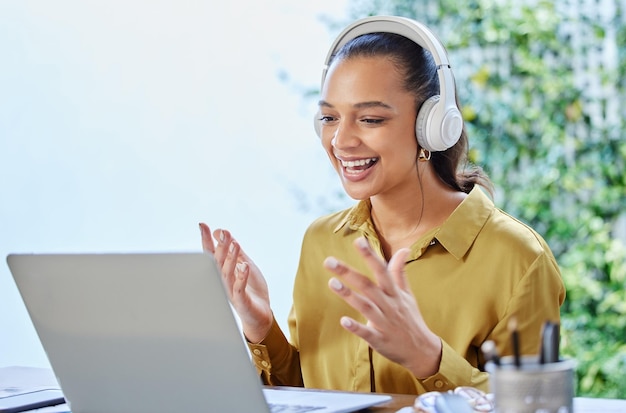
[[135, 333]]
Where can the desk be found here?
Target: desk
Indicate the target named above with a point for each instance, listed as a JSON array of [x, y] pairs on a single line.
[[581, 405], [33, 378]]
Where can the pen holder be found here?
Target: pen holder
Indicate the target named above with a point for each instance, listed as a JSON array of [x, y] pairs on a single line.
[[532, 387]]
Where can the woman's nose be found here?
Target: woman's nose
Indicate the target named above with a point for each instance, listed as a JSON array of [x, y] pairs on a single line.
[[344, 136]]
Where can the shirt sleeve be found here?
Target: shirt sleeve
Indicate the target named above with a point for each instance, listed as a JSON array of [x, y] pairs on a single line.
[[276, 360], [536, 298], [455, 371]]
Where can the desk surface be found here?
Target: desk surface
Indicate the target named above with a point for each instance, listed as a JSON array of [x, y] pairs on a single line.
[[581, 405], [29, 378]]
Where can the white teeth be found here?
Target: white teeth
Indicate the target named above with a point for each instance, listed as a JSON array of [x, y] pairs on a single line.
[[360, 162]]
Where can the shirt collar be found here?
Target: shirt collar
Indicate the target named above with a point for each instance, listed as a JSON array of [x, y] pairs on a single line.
[[358, 216], [456, 234]]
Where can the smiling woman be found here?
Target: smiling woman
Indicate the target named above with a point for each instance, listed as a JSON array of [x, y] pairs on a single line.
[[385, 296]]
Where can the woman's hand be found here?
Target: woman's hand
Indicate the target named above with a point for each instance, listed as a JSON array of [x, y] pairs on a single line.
[[395, 326], [246, 287]]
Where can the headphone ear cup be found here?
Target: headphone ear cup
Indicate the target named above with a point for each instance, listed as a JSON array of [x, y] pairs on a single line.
[[422, 129], [317, 125], [438, 128]]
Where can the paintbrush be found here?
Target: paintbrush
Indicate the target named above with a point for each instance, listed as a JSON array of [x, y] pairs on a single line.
[[549, 351]]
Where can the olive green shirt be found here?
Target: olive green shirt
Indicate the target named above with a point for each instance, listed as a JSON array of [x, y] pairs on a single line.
[[469, 276]]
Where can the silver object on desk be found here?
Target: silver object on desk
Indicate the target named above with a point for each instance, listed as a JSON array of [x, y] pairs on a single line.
[[532, 387]]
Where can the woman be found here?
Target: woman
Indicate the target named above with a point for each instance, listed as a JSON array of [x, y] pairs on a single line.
[[398, 293]]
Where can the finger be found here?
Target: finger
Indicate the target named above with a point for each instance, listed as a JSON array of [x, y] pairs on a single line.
[[396, 266], [377, 264], [223, 239], [228, 268], [366, 333], [357, 280], [361, 303], [207, 240], [241, 279]]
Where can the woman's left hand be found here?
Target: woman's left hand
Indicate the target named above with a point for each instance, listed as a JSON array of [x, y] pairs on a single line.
[[395, 327]]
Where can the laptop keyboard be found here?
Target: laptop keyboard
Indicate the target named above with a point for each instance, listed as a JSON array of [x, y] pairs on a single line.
[[289, 408]]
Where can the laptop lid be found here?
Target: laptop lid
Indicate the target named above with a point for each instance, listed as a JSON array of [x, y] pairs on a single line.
[[147, 332], [138, 332]]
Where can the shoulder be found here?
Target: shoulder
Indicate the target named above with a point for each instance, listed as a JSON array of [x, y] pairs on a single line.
[[498, 229], [480, 228], [513, 244], [509, 231]]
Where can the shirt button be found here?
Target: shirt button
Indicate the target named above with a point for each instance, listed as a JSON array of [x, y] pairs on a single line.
[[264, 363], [438, 384], [257, 352]]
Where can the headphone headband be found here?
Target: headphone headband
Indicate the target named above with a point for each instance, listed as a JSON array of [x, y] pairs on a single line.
[[439, 122], [411, 29]]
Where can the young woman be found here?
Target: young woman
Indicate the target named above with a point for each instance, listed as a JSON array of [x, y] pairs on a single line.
[[398, 293]]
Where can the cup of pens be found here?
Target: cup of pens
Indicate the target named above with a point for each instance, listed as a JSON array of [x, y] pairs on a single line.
[[542, 383]]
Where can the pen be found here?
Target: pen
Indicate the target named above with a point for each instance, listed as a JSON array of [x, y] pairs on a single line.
[[515, 341]]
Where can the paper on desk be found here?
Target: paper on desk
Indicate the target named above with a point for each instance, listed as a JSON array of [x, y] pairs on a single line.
[[17, 379], [61, 408], [590, 405]]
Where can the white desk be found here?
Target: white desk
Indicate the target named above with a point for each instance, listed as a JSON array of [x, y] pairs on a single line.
[[19, 379]]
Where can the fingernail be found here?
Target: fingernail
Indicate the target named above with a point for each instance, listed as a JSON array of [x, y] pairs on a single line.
[[231, 247], [346, 322], [222, 236], [241, 268], [335, 284], [362, 243], [331, 262]]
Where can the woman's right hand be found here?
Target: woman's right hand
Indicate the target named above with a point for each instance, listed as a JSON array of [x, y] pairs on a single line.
[[246, 287]]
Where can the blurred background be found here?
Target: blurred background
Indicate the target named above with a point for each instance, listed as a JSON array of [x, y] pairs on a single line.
[[124, 125]]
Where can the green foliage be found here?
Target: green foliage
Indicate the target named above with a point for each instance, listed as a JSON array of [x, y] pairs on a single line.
[[556, 163]]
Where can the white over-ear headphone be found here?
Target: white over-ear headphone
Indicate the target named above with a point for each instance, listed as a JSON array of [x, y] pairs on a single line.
[[439, 122]]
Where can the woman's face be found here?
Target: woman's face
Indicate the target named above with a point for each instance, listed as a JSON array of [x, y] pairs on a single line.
[[368, 127]]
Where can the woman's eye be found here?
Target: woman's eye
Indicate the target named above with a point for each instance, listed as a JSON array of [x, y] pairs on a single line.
[[372, 121], [326, 118]]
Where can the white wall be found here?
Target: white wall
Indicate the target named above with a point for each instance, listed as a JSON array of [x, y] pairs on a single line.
[[125, 123]]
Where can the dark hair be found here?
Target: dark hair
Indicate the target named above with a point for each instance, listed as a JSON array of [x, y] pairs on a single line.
[[420, 73]]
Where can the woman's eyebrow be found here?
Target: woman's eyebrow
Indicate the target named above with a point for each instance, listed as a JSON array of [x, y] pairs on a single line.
[[372, 104], [323, 103], [360, 105]]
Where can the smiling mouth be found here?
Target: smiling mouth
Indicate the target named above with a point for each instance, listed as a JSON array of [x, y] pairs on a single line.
[[358, 165]]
